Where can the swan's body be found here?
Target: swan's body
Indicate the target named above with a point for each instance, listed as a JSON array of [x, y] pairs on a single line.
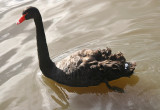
[[82, 68], [88, 68]]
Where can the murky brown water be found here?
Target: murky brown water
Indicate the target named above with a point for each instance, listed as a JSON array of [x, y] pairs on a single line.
[[132, 27]]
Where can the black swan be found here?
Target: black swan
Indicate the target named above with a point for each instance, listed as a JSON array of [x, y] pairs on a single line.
[[82, 68]]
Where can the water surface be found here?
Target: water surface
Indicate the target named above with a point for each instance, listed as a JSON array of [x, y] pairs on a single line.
[[132, 27]]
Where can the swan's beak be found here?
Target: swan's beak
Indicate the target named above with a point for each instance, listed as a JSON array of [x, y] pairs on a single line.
[[21, 19]]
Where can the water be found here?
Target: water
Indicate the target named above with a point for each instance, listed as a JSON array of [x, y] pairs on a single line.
[[132, 27]]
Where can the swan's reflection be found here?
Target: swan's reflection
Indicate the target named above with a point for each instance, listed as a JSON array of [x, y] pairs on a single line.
[[99, 89], [63, 94]]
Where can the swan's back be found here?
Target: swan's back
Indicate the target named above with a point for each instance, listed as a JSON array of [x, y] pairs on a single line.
[[70, 63], [86, 58]]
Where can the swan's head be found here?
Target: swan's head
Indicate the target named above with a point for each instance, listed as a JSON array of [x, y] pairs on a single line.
[[29, 13]]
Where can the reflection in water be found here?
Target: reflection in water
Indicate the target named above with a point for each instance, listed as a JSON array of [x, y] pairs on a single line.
[[99, 89], [62, 92]]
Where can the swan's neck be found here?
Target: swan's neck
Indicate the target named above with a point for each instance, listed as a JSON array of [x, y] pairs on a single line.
[[45, 63]]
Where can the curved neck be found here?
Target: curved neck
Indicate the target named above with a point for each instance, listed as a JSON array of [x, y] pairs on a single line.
[[45, 63]]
